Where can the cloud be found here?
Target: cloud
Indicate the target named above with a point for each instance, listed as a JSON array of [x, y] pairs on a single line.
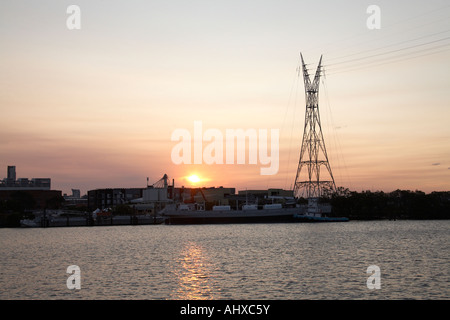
[[436, 164]]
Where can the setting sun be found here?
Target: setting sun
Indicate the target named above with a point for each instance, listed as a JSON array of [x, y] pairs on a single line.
[[194, 178]]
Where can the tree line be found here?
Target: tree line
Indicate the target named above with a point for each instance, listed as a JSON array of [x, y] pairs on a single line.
[[399, 204], [365, 205]]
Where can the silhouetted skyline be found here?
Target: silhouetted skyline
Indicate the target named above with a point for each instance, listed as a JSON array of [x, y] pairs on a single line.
[[95, 107]]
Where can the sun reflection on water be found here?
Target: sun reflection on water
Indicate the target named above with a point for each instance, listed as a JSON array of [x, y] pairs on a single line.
[[194, 274]]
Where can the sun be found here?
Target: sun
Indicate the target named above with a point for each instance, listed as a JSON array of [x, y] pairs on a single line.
[[194, 178]]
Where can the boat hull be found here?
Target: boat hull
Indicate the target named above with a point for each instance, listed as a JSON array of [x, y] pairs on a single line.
[[284, 215], [83, 221], [306, 218], [226, 217]]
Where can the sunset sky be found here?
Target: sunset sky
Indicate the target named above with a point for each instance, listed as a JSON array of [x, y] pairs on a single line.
[[96, 107]]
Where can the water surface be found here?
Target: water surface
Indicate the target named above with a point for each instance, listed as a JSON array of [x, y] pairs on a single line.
[[248, 261]]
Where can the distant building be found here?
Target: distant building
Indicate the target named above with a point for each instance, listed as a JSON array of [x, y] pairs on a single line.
[[76, 194], [269, 193], [110, 197], [219, 196], [151, 194], [11, 183], [75, 199], [145, 198], [42, 198], [266, 196], [11, 177], [37, 189]]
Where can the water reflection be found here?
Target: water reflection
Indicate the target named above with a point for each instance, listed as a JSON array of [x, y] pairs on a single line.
[[193, 274]]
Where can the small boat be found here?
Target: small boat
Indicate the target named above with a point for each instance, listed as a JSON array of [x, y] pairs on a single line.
[[314, 211], [29, 223]]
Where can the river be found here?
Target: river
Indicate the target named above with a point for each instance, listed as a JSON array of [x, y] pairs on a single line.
[[235, 261]]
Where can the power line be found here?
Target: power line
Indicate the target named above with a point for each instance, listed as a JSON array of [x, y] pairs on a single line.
[[340, 42], [397, 59], [388, 46], [388, 52]]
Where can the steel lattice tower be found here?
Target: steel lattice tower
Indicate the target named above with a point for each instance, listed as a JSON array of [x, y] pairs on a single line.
[[310, 181]]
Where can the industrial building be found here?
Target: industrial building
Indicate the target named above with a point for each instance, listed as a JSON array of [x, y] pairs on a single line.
[[218, 196], [41, 199], [75, 199], [110, 197], [269, 193], [155, 197], [36, 191]]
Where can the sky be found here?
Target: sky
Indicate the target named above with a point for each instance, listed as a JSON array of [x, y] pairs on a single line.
[[96, 107]]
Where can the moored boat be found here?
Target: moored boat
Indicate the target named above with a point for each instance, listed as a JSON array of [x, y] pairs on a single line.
[[271, 213], [224, 214]]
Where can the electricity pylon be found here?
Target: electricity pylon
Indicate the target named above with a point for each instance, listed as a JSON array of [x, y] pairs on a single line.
[[310, 181]]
